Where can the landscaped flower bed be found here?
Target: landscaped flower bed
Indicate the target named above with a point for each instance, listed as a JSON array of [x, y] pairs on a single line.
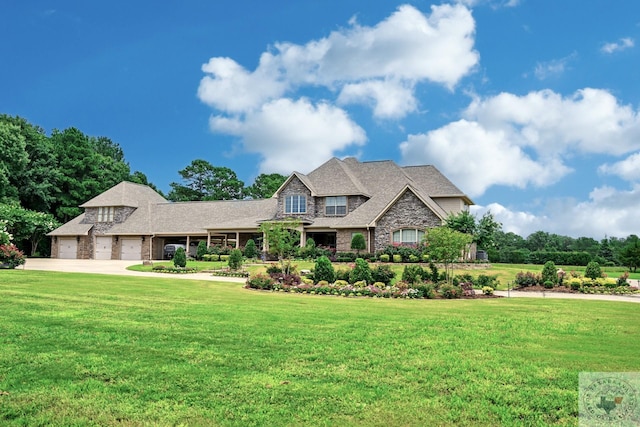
[[173, 270]]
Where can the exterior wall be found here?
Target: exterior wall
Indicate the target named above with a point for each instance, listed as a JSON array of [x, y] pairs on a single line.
[[146, 248], [294, 187], [120, 215], [54, 247], [343, 238], [408, 211], [353, 202], [85, 247], [450, 204]]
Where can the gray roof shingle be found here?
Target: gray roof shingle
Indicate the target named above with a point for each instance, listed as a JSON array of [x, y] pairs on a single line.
[[125, 194]]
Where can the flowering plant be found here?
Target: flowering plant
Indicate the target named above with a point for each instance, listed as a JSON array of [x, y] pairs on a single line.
[[11, 256]]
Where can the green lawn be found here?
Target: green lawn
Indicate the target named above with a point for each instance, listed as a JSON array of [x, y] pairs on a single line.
[[80, 349]]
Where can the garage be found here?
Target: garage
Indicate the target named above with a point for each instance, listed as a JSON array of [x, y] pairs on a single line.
[[131, 249], [68, 248], [103, 247]]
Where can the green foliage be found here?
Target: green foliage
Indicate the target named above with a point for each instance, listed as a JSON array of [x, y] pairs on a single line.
[[27, 225], [361, 272], [261, 281], [309, 249], [202, 250], [323, 270], [180, 258], [412, 274], [527, 278], [203, 181], [265, 186], [281, 237], [548, 284], [593, 270], [487, 290], [5, 236], [397, 258], [630, 254], [463, 222], [13, 160], [358, 243], [383, 274], [450, 291], [251, 250], [446, 245], [384, 258], [549, 274], [11, 256], [235, 259]]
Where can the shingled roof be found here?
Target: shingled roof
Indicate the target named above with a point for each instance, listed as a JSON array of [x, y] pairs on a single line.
[[125, 194]]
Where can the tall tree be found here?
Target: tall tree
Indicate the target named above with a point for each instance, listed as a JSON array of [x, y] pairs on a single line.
[[629, 255], [463, 222], [13, 160], [265, 185], [486, 231], [203, 181]]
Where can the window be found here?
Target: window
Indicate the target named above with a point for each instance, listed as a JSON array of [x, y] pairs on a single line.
[[407, 236], [296, 204], [336, 205], [105, 214]]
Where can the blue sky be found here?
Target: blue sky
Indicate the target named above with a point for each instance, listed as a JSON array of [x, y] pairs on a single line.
[[531, 107]]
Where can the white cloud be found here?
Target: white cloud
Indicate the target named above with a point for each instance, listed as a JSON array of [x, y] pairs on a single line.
[[390, 99], [622, 44], [293, 134], [627, 169], [406, 48], [524, 140], [475, 158], [555, 67], [607, 212]]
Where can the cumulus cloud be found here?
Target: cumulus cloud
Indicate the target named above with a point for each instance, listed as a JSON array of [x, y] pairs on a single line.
[[377, 66], [622, 44], [292, 134], [525, 140], [607, 212], [627, 169]]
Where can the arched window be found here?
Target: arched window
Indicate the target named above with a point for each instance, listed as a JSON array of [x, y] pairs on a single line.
[[408, 236]]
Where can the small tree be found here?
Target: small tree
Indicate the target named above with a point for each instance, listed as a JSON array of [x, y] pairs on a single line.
[[446, 245], [202, 249], [250, 249], [309, 250], [324, 270], [358, 243], [281, 238], [550, 273], [593, 271], [235, 259], [361, 272], [180, 258]]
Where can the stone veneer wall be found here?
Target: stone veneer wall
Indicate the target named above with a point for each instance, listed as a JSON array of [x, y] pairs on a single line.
[[294, 187], [408, 212], [343, 239], [85, 247]]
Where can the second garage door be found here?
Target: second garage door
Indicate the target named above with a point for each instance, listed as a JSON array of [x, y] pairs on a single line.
[[103, 247], [131, 249], [68, 248]]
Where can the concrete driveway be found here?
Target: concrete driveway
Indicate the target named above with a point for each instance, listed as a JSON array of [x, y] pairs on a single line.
[[116, 267]]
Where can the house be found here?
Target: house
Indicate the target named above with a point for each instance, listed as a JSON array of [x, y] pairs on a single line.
[[387, 203]]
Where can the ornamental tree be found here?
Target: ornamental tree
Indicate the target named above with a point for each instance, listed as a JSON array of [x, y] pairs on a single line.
[[446, 246], [281, 237], [358, 243]]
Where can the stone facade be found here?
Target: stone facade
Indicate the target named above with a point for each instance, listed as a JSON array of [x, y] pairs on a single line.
[[85, 247], [407, 212], [296, 187]]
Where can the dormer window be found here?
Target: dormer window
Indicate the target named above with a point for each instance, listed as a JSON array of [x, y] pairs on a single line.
[[335, 206], [296, 204], [106, 214]]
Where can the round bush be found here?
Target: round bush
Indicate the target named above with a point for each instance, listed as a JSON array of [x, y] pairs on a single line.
[[180, 258], [323, 270]]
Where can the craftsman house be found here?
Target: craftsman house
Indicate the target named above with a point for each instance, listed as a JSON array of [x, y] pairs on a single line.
[[387, 203]]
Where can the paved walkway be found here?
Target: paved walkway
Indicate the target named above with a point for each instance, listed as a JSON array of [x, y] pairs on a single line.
[[116, 267], [120, 268]]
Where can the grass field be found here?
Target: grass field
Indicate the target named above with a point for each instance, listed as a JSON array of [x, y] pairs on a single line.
[[80, 349]]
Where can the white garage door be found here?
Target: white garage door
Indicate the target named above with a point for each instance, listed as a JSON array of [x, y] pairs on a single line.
[[68, 248], [103, 247], [131, 249]]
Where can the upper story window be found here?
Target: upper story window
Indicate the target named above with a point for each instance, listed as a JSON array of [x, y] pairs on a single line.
[[296, 204], [408, 236], [106, 214], [335, 205]]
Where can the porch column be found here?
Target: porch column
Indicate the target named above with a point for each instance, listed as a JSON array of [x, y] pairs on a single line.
[[237, 240], [208, 239], [303, 236], [265, 244], [188, 245]]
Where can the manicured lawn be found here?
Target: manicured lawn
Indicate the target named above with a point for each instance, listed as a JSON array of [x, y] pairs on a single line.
[[79, 349]]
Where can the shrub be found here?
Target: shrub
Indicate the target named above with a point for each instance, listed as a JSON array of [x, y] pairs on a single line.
[[384, 258], [424, 290], [435, 275], [414, 258], [341, 283], [358, 243], [11, 255], [343, 274], [383, 273], [487, 281], [202, 250], [548, 284], [622, 280], [526, 279], [274, 268], [361, 272], [593, 270], [345, 256], [250, 249], [308, 251], [180, 258], [324, 271], [397, 258], [235, 259], [412, 274], [487, 290], [450, 291], [260, 281], [549, 274], [224, 257]]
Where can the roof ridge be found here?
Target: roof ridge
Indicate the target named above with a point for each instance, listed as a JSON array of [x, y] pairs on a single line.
[[356, 181]]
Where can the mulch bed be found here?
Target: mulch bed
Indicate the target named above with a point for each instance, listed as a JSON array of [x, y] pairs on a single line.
[[558, 289]]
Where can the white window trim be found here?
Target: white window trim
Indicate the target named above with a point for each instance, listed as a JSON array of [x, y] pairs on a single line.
[[302, 204], [106, 214], [419, 234], [335, 205]]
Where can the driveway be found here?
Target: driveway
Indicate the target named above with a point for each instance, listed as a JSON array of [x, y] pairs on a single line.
[[116, 267]]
